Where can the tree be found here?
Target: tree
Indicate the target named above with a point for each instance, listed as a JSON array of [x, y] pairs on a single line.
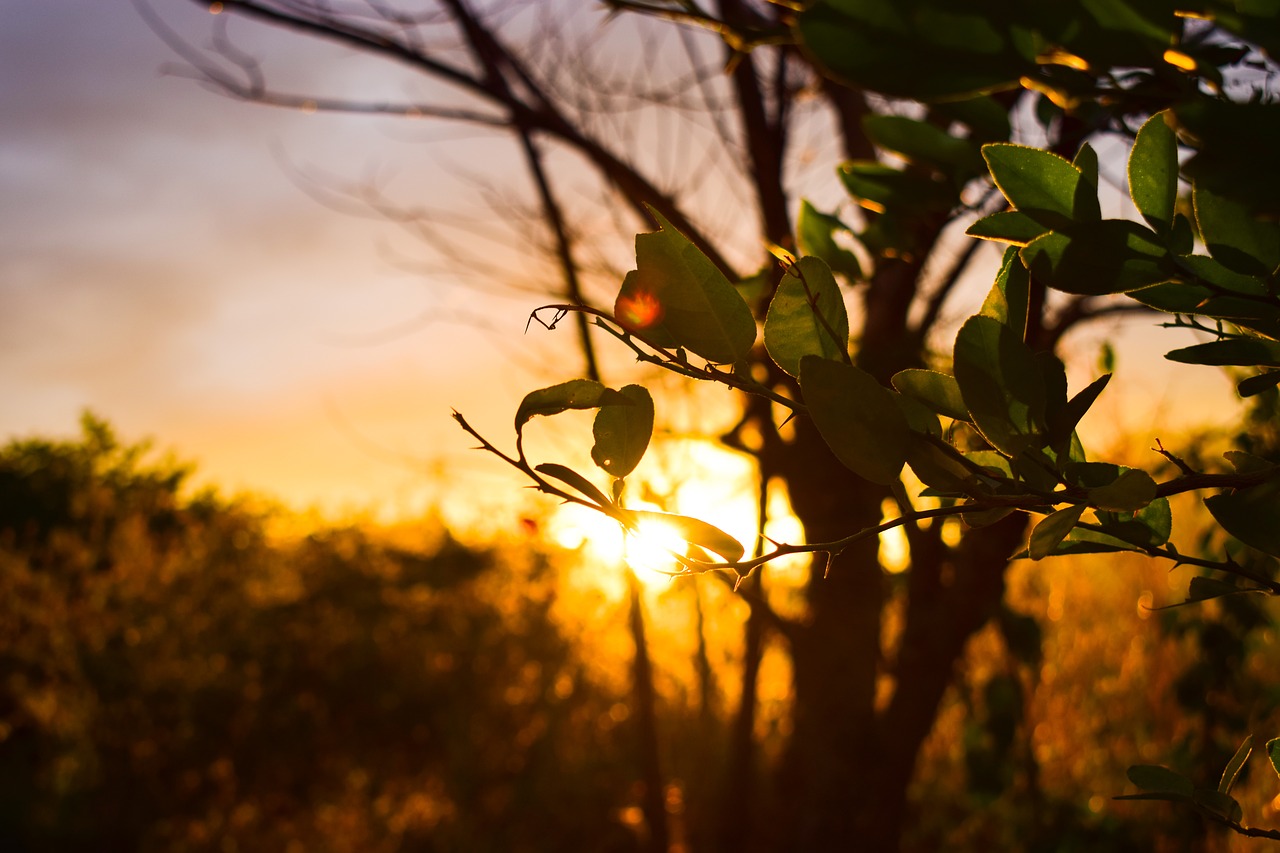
[[943, 89]]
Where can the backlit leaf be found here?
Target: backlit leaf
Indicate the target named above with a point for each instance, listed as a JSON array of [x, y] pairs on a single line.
[[936, 390], [1233, 236], [1038, 183], [814, 234], [1130, 492], [1001, 385], [1153, 172], [857, 417], [1237, 761], [1051, 530], [696, 532], [1007, 226], [1109, 256], [806, 317], [678, 290]]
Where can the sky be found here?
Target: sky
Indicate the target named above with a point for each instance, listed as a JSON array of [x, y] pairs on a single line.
[[165, 262]]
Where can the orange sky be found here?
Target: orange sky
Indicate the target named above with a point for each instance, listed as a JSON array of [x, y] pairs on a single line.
[[163, 264]]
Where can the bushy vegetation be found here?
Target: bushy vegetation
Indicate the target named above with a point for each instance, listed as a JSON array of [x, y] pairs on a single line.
[[174, 677]]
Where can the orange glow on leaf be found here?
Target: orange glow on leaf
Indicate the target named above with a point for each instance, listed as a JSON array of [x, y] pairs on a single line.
[[640, 311]]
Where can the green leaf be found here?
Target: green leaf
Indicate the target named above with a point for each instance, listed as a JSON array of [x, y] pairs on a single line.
[[678, 291], [574, 394], [1233, 236], [937, 469], [1091, 475], [880, 187], [1233, 351], [1051, 530], [1161, 780], [857, 417], [1132, 490], [1148, 527], [1007, 226], [1086, 161], [1153, 172], [1062, 424], [1010, 296], [806, 317], [1273, 753], [1233, 766], [1109, 256], [920, 418], [814, 236], [1081, 541], [1215, 273], [1001, 386], [694, 531], [936, 390], [572, 478], [1038, 183], [920, 142], [1250, 515], [622, 432], [925, 51]]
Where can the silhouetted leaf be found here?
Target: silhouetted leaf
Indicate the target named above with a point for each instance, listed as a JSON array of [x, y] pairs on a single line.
[[1250, 515], [1218, 802], [1160, 780], [574, 394], [622, 432], [572, 478], [1235, 351], [806, 317], [676, 290], [857, 417], [1153, 172]]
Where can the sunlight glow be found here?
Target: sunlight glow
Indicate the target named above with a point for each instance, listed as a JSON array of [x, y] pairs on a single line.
[[639, 311], [651, 547]]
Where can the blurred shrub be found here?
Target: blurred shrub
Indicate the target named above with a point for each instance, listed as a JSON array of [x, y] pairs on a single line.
[[172, 678]]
